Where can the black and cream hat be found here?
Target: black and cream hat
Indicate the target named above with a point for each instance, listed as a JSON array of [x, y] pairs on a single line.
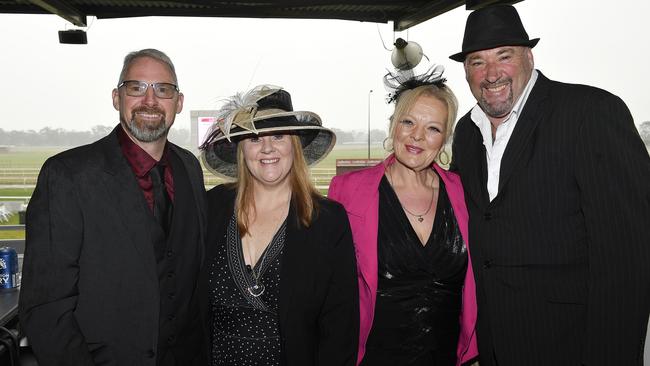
[[265, 110]]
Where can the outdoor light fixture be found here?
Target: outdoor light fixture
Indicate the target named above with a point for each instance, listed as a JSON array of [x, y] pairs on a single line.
[[406, 55], [73, 36]]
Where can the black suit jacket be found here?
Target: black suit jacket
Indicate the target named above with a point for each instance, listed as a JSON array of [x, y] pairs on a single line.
[[90, 291], [319, 308], [562, 254]]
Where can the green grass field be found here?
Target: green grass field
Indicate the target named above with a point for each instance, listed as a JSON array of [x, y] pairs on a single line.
[[16, 192], [350, 152], [27, 158], [20, 166], [12, 234], [22, 158], [33, 158]]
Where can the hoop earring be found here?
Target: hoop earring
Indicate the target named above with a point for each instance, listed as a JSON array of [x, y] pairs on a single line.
[[446, 160], [383, 144]]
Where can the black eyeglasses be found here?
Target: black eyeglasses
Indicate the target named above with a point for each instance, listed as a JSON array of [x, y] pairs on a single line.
[[136, 88]]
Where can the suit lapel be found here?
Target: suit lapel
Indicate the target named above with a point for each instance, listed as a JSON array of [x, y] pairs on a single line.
[[128, 198], [198, 190], [532, 113], [367, 189], [476, 170], [295, 258], [363, 213]]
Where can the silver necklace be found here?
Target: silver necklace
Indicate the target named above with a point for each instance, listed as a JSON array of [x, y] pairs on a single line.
[[257, 288], [420, 217]]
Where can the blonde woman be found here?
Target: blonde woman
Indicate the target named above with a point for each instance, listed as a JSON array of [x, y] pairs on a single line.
[[409, 223]]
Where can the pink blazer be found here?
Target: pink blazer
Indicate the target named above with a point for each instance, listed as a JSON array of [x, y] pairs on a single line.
[[359, 192]]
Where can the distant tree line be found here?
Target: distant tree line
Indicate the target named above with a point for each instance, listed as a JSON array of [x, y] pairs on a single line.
[[347, 137], [61, 137]]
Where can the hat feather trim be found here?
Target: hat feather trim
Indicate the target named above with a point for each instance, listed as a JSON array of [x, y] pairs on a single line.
[[240, 109]]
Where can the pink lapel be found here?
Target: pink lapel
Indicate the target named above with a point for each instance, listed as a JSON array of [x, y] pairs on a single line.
[[359, 193]]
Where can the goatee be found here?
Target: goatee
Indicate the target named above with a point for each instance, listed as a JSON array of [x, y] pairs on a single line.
[[146, 131], [496, 109]]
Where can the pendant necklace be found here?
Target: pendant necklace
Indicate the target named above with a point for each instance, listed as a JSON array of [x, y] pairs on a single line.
[[257, 288], [419, 217]]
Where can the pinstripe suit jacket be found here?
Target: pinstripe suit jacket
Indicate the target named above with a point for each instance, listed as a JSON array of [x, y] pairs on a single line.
[[561, 255]]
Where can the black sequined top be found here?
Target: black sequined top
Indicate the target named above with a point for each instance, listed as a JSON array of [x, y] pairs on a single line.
[[419, 292], [245, 327]]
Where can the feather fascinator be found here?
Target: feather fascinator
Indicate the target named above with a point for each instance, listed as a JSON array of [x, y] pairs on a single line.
[[400, 81]]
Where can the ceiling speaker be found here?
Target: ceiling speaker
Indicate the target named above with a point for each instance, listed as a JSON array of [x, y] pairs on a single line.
[[73, 36]]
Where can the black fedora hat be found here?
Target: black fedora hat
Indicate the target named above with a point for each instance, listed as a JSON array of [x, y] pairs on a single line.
[[491, 27]]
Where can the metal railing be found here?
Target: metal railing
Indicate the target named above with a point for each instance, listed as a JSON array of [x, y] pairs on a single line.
[[11, 227]]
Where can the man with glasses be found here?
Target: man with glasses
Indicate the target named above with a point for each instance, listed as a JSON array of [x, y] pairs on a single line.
[[114, 237]]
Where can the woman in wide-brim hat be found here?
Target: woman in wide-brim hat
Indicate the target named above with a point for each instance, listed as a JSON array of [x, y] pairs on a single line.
[[280, 279]]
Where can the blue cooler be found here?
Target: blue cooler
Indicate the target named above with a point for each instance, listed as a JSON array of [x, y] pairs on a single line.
[[9, 273]]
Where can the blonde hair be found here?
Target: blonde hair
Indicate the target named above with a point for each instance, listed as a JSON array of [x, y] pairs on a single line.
[[304, 196], [407, 100]]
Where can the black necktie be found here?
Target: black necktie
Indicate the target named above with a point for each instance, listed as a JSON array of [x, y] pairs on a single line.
[[161, 201]]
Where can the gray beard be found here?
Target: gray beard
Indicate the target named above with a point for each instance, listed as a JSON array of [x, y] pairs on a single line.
[[146, 134], [497, 110]]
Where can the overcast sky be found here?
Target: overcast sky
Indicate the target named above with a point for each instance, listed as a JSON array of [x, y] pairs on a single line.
[[328, 66]]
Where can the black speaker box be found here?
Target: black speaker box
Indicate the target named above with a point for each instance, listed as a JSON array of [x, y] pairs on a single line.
[[73, 36]]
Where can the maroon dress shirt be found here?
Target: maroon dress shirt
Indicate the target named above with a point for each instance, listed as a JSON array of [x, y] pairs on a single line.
[[141, 163]]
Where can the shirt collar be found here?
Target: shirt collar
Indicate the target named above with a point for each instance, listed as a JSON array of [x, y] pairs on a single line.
[[139, 160]]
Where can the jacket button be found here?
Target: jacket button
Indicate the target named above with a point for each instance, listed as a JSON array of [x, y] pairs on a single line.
[[487, 264], [170, 274], [150, 353], [171, 339], [171, 318], [170, 253], [487, 216], [171, 296]]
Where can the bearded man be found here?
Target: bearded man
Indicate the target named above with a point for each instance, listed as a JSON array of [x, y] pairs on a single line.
[[556, 184], [114, 237]]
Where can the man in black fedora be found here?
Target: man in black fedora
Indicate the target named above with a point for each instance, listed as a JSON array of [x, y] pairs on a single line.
[[557, 184]]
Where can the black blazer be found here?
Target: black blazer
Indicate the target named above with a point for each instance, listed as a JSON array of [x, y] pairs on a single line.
[[561, 255], [90, 291], [319, 309]]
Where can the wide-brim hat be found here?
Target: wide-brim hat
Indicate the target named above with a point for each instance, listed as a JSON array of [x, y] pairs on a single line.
[[265, 110], [491, 27]]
